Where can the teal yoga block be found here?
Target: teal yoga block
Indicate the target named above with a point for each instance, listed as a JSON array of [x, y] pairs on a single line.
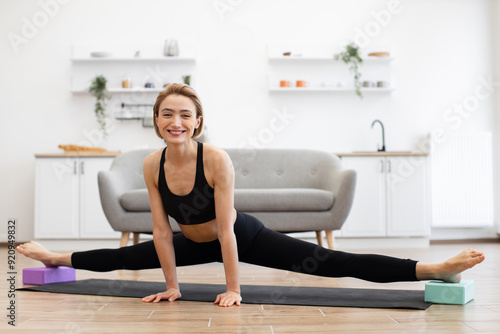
[[449, 293]]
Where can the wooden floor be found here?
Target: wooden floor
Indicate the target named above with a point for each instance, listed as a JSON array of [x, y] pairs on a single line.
[[58, 313]]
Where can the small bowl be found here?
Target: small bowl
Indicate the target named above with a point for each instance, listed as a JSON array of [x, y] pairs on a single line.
[[101, 54], [367, 84]]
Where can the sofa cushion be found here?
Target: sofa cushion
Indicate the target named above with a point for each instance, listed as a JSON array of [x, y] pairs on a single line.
[[135, 200], [266, 200], [283, 199]]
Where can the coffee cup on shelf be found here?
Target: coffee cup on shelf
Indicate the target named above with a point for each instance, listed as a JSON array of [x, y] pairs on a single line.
[[127, 82], [301, 83], [367, 84], [285, 83], [382, 84]]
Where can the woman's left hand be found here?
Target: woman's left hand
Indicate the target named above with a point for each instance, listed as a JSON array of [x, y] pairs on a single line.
[[228, 298]]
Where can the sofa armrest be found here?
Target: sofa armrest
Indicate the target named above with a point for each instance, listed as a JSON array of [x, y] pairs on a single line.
[[110, 188], [344, 187]]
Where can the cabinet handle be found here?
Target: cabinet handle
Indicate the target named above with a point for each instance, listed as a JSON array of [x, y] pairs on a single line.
[[82, 171], [74, 167], [381, 166], [389, 166]]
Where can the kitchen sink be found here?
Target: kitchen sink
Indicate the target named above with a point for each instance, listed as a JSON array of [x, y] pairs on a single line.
[[381, 152]]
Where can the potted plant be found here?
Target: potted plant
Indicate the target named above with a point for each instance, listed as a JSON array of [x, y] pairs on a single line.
[[98, 90], [352, 58], [186, 79]]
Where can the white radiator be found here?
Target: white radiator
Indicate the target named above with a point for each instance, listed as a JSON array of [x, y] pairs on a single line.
[[462, 180]]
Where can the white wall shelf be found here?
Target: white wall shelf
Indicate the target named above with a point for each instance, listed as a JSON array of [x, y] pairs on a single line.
[[326, 58], [123, 90], [327, 89], [151, 66], [315, 64], [133, 59]]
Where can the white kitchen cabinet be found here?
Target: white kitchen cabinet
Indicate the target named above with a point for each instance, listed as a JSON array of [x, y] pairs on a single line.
[[391, 198], [67, 202], [407, 197], [368, 213], [56, 198]]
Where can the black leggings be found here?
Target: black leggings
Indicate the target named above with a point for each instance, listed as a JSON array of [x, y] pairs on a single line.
[[256, 245]]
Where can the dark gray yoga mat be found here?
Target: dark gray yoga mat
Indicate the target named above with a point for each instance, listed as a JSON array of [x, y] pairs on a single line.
[[251, 294]]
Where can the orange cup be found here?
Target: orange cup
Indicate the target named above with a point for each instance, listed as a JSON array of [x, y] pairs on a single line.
[[285, 83], [301, 83]]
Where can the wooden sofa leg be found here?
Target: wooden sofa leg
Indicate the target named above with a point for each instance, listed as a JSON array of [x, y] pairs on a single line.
[[124, 239], [136, 237], [329, 238], [319, 237]]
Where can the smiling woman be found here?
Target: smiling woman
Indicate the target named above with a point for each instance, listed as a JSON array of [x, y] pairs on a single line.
[[178, 95], [194, 183]]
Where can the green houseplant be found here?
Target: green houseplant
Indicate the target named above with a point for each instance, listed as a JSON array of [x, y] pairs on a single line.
[[186, 79], [352, 58], [98, 90]]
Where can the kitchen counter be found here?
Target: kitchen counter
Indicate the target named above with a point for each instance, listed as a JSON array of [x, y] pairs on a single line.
[[87, 154], [381, 154], [115, 153]]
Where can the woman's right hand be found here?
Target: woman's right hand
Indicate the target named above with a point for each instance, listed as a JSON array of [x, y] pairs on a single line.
[[170, 295]]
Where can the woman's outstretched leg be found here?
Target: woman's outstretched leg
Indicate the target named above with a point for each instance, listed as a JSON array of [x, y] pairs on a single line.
[[136, 257], [140, 256], [276, 250], [35, 251], [450, 270]]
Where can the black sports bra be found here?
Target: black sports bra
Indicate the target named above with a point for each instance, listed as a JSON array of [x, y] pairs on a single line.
[[198, 206]]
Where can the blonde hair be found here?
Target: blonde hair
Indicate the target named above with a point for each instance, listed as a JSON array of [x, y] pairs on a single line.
[[183, 90]]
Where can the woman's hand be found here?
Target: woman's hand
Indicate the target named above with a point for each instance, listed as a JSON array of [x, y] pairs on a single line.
[[170, 295], [228, 298]]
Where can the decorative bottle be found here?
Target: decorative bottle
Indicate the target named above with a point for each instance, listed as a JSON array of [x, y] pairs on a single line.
[[173, 49], [165, 48]]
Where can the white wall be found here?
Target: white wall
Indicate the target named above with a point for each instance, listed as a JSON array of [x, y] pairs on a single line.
[[495, 15], [443, 48]]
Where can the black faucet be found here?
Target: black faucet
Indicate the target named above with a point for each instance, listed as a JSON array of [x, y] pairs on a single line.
[[383, 135]]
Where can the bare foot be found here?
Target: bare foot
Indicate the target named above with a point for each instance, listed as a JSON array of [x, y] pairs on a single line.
[[35, 251], [451, 268]]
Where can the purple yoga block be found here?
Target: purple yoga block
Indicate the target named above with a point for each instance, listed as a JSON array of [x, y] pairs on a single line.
[[44, 275]]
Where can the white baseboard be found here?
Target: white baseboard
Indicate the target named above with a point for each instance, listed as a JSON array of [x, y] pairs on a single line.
[[368, 243], [65, 245], [380, 243], [463, 233], [340, 243]]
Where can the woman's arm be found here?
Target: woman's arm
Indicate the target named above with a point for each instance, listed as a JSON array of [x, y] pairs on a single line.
[[223, 179], [162, 234]]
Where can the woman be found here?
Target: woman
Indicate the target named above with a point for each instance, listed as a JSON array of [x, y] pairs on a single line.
[[194, 183]]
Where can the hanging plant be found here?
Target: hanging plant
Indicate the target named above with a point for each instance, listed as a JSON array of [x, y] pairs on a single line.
[[98, 90], [351, 57]]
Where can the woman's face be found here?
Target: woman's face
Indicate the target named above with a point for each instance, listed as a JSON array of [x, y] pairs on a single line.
[[177, 118]]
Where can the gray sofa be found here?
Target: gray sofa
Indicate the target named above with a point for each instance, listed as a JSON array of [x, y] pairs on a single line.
[[288, 190]]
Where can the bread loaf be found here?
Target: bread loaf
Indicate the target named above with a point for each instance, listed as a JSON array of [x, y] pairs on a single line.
[[67, 148], [379, 54]]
